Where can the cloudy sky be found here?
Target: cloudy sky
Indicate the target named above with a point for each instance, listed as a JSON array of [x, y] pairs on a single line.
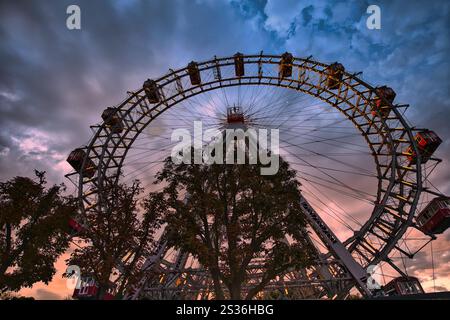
[[54, 82]]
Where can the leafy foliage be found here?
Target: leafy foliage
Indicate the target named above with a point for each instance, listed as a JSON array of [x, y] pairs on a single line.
[[33, 230], [111, 234], [228, 215]]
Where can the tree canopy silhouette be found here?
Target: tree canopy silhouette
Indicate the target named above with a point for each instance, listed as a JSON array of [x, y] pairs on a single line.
[[228, 215], [111, 234], [33, 230]]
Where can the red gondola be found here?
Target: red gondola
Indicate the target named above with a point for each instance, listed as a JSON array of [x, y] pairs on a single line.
[[88, 290], [239, 64], [403, 286], [112, 120], [75, 225], [435, 218], [151, 91], [386, 93], [235, 115], [286, 65], [76, 158], [427, 143], [194, 73], [334, 74]]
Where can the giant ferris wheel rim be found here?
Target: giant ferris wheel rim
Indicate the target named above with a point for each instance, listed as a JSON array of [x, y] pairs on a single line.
[[101, 152]]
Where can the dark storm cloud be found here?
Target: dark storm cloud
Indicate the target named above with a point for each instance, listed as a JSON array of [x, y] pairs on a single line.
[[57, 81], [409, 53]]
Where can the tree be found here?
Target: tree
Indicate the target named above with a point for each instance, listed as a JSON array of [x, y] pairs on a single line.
[[33, 230], [227, 215], [111, 234], [13, 296]]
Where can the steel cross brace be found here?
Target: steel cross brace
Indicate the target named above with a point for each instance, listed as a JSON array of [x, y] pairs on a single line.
[[336, 247]]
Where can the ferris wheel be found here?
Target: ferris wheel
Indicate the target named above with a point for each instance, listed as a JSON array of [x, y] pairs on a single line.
[[363, 168]]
